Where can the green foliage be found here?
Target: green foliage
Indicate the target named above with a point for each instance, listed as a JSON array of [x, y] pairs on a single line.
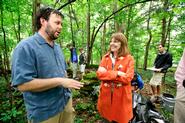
[[83, 106], [86, 110], [93, 66], [75, 93], [9, 114], [145, 74], [170, 78], [79, 120], [12, 106], [168, 115], [90, 76]]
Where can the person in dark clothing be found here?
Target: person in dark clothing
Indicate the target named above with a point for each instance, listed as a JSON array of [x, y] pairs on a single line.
[[74, 60], [82, 61], [162, 62]]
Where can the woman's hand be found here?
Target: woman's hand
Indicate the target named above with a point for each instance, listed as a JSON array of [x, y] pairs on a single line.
[[121, 73], [102, 69]]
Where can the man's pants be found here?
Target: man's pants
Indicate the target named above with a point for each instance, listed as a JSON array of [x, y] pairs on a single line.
[[82, 68], [67, 116], [74, 67], [179, 110]]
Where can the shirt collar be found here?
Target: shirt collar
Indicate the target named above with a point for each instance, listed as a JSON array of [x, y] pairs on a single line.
[[162, 52], [120, 58], [41, 40]]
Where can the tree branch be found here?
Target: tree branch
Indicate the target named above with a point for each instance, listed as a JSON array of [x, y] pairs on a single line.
[[69, 2], [110, 16]]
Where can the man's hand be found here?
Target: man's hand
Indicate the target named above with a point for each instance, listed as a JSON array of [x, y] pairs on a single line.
[[183, 83], [158, 69], [70, 83]]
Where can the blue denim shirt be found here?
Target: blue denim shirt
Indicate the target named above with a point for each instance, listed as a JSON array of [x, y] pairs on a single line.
[[35, 58]]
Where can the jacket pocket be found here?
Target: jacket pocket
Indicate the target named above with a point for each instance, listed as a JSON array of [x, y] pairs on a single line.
[[104, 99]]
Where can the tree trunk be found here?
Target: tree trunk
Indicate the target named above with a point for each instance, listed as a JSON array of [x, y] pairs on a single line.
[[18, 29], [128, 22], [168, 36], [88, 33], [149, 40], [116, 24], [83, 37], [163, 36], [91, 47], [14, 27], [19, 23], [103, 48], [71, 27], [75, 18], [164, 23], [36, 6]]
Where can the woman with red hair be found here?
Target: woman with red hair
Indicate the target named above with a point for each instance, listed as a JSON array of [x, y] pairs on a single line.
[[116, 71]]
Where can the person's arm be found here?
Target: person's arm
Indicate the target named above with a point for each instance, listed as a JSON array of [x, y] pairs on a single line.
[[180, 72], [24, 73], [168, 62], [38, 85], [129, 74], [104, 74], [156, 58], [116, 75]]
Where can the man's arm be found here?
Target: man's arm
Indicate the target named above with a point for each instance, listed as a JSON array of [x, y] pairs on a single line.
[[168, 62], [156, 58], [38, 85]]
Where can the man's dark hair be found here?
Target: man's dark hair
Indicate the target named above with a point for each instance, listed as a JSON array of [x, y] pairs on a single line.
[[45, 13], [162, 45]]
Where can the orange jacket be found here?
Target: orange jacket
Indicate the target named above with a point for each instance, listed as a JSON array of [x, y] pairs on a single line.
[[115, 98]]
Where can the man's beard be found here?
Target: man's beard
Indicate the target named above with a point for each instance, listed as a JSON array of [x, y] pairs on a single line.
[[50, 32]]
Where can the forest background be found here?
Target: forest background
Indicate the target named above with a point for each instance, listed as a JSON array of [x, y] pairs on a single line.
[[89, 24]]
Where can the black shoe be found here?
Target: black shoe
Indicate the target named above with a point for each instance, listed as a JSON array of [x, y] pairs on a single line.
[[76, 78], [158, 100]]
